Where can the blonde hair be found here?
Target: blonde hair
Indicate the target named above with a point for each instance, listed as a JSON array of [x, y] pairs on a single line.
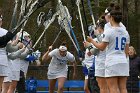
[[133, 49]]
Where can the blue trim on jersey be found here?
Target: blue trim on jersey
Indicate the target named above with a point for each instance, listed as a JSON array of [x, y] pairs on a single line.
[[91, 70], [85, 70]]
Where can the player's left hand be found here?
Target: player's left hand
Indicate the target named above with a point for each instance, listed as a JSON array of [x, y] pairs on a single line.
[[89, 39]]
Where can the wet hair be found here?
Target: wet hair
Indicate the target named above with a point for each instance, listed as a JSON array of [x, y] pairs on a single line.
[[117, 15]]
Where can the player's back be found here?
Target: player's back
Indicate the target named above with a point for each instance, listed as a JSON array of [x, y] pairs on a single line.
[[117, 38]]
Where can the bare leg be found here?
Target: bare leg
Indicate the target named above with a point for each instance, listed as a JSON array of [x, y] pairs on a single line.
[[86, 86], [61, 82], [122, 84], [5, 87], [1, 81], [52, 85], [112, 83], [102, 84], [12, 86]]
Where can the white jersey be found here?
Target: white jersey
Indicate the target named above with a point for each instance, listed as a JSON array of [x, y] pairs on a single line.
[[3, 54], [59, 63], [2, 32], [108, 26], [88, 61], [24, 65], [100, 60], [16, 64], [117, 37]]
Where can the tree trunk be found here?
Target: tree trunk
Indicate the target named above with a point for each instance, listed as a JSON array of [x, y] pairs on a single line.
[[137, 27], [124, 4], [96, 9]]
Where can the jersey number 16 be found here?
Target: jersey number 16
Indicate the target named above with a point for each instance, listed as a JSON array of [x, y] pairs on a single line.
[[122, 42]]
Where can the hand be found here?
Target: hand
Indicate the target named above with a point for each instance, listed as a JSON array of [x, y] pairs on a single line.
[[86, 44], [38, 63], [20, 45], [50, 48], [89, 39]]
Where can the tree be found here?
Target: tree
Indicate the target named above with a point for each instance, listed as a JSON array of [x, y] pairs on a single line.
[[124, 4]]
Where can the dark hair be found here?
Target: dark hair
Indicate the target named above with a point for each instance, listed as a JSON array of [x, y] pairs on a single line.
[[113, 6], [110, 8], [63, 43], [117, 7], [117, 15], [101, 23], [102, 17]]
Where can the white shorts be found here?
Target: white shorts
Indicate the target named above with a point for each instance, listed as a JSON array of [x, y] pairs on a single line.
[[9, 77], [86, 77], [121, 69], [15, 75], [3, 70], [100, 72], [57, 75]]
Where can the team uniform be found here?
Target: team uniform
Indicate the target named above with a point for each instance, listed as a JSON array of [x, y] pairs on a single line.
[[58, 65], [116, 63], [9, 77], [24, 65], [23, 70], [100, 62], [16, 69], [87, 63], [3, 56], [108, 25]]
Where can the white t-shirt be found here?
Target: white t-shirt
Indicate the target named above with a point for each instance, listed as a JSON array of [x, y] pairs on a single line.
[[108, 26], [3, 55], [24, 65], [100, 60], [16, 64], [88, 61], [59, 63], [117, 37], [2, 32]]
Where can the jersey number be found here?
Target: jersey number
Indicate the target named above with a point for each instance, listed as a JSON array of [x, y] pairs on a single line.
[[122, 45]]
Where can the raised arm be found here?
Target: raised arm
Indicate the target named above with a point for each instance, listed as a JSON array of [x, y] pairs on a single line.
[[46, 56], [100, 46]]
